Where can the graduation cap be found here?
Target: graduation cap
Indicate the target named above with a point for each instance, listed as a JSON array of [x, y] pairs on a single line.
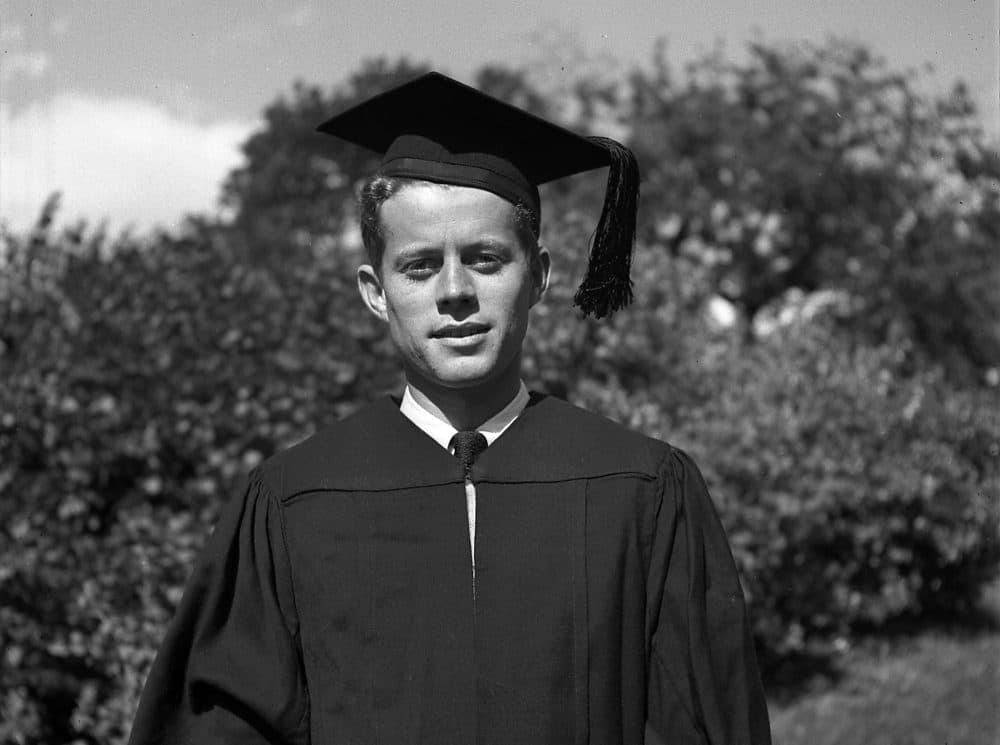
[[437, 129]]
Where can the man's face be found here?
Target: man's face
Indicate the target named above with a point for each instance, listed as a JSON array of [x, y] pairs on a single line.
[[455, 285]]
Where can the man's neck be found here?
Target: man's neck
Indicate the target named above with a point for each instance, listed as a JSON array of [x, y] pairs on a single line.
[[465, 408]]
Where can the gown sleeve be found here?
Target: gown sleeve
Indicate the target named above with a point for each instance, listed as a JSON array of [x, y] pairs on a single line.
[[704, 686], [229, 669]]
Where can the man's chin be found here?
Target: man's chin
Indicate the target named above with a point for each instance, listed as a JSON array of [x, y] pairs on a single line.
[[464, 377], [463, 382]]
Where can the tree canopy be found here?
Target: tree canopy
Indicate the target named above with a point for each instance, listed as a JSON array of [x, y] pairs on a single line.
[[819, 167]]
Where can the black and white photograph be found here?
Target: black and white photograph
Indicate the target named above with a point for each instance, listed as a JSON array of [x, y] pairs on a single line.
[[451, 373]]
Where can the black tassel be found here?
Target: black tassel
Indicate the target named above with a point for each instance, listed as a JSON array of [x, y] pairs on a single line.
[[607, 286]]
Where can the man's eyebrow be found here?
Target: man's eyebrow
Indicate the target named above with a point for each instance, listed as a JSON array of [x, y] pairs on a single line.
[[489, 242], [417, 250]]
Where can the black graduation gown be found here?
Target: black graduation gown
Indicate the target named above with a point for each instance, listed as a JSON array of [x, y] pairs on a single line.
[[335, 602]]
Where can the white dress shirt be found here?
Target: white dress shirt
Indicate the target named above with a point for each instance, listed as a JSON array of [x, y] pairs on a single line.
[[441, 431]]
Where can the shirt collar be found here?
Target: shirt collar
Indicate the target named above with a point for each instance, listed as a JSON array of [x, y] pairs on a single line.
[[441, 431]]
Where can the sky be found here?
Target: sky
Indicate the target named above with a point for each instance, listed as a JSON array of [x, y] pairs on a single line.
[[135, 110]]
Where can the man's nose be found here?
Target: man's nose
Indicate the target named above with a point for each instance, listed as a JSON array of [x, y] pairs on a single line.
[[455, 285]]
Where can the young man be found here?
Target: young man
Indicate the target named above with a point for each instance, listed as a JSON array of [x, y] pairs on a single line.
[[469, 563]]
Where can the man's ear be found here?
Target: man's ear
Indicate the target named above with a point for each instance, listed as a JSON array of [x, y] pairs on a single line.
[[540, 268], [370, 287]]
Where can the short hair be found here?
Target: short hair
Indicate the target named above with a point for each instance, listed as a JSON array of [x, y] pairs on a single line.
[[378, 188]]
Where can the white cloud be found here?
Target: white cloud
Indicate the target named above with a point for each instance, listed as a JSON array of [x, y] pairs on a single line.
[[127, 160], [11, 33], [299, 16], [60, 26], [30, 64]]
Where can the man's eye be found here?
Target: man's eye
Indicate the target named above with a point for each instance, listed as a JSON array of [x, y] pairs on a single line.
[[487, 260], [419, 268]]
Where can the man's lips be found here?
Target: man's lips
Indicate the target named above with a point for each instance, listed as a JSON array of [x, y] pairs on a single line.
[[460, 330]]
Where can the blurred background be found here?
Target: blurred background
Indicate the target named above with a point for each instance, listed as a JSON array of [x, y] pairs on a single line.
[[817, 314]]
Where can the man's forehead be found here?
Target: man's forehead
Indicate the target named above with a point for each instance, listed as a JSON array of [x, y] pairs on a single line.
[[434, 211]]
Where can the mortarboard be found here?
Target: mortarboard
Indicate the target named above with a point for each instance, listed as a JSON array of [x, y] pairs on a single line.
[[437, 129]]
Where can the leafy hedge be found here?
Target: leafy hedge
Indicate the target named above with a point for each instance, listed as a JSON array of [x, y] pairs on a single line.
[[855, 495]]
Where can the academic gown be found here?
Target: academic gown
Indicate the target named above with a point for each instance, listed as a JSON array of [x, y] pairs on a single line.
[[335, 601]]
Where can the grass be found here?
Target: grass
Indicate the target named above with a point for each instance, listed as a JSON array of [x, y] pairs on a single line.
[[927, 688], [932, 690]]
